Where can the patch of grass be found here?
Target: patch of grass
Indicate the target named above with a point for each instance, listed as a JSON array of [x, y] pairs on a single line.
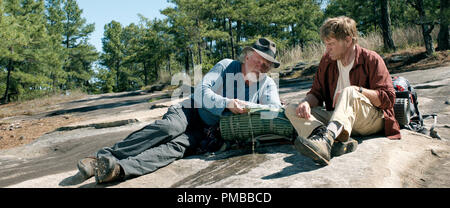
[[154, 99]]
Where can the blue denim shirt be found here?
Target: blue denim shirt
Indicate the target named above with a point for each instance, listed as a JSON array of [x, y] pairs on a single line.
[[225, 82]]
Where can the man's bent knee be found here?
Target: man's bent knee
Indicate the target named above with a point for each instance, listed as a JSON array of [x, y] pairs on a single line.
[[349, 90], [291, 109]]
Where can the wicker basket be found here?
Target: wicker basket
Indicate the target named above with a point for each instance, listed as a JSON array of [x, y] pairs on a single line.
[[256, 122]]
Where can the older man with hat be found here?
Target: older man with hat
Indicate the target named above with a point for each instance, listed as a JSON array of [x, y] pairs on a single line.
[[231, 85]]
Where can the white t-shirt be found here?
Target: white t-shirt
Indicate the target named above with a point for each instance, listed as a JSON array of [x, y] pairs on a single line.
[[344, 76]]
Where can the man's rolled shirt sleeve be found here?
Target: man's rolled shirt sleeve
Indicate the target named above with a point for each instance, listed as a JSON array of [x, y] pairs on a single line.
[[381, 81], [317, 88], [205, 95]]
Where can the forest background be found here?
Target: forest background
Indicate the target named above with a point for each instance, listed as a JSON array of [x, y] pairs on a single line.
[[45, 49]]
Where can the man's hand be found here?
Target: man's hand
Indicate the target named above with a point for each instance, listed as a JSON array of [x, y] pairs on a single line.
[[237, 106], [304, 110]]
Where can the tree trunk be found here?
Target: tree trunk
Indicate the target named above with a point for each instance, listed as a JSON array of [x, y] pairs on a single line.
[[226, 41], [375, 13], [145, 74], [53, 77], [168, 65], [117, 76], [10, 68], [222, 50], [386, 26], [443, 38], [211, 47], [427, 27], [192, 58], [294, 38], [200, 54], [186, 60], [5, 99], [67, 34], [238, 35], [156, 71], [230, 31]]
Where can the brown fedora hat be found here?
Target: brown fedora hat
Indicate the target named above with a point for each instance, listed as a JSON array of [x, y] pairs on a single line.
[[265, 48]]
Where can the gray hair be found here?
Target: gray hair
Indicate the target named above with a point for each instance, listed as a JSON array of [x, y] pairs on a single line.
[[244, 55]]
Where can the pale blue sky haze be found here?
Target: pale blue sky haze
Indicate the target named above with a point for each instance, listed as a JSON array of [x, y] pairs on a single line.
[[102, 12]]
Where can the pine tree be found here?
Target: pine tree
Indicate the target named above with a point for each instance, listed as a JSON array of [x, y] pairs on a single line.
[[386, 25], [154, 48], [3, 49], [182, 30], [1, 11], [80, 54], [426, 23], [14, 42], [112, 56], [131, 76], [133, 36], [444, 16], [3, 28], [26, 54], [55, 28]]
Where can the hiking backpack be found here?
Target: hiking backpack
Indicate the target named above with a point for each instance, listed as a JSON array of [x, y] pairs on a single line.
[[406, 108]]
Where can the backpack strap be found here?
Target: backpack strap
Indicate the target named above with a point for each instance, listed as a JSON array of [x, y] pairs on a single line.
[[416, 106]]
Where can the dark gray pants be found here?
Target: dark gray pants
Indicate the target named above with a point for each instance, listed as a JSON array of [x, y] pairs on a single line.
[[177, 134]]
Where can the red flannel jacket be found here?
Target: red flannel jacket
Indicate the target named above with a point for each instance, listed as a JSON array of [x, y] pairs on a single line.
[[370, 72]]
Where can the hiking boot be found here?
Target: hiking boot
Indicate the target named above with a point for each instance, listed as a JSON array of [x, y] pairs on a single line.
[[86, 167], [317, 146], [106, 170], [340, 148]]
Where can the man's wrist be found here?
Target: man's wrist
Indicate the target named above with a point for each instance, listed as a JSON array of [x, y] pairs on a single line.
[[302, 101], [361, 89], [228, 102]]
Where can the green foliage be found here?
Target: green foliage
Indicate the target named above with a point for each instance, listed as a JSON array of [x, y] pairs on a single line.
[[25, 54], [43, 48], [80, 54], [367, 13], [44, 43]]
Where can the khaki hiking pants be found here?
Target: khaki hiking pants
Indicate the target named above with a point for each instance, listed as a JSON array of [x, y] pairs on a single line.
[[353, 110]]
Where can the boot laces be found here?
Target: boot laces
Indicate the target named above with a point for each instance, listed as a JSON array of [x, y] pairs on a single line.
[[319, 134]]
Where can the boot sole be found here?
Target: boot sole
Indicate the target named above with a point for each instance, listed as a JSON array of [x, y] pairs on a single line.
[[349, 146], [101, 170], [309, 152], [82, 169]]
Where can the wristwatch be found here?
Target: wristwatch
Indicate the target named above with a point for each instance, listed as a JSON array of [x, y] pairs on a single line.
[[360, 89]]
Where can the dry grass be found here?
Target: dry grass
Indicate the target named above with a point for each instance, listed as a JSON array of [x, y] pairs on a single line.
[[19, 132], [26, 131], [372, 41], [404, 38], [311, 52], [38, 105], [164, 76]]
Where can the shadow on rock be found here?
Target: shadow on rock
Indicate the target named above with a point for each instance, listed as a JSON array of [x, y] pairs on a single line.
[[73, 180], [302, 163], [78, 179], [224, 165], [241, 161], [103, 185], [299, 163]]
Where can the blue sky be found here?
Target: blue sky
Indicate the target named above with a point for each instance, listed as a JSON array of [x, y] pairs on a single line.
[[102, 12]]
